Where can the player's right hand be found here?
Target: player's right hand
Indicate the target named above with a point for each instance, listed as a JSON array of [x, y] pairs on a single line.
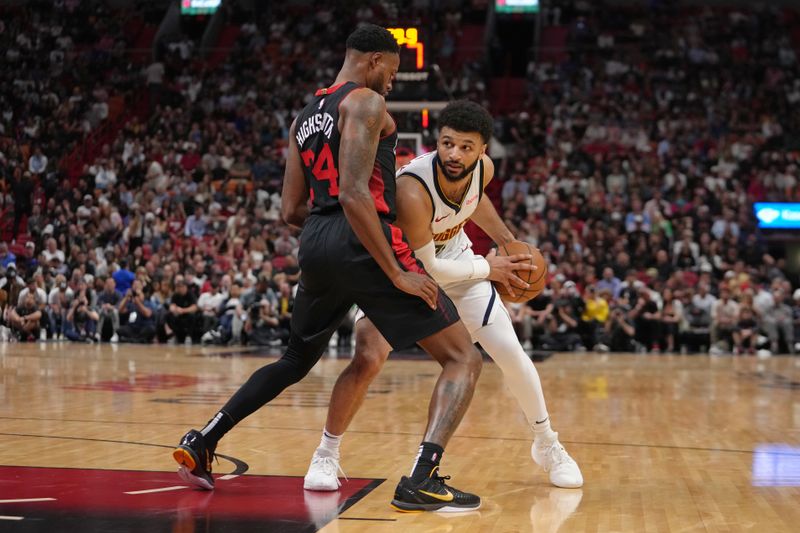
[[418, 285], [503, 268]]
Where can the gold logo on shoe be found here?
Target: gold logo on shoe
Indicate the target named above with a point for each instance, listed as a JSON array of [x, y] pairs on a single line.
[[446, 497]]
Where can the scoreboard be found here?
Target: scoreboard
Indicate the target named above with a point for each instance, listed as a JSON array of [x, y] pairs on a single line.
[[199, 7], [516, 6], [411, 82]]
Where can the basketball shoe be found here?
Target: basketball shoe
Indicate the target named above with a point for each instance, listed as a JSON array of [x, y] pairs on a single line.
[[323, 473], [432, 494], [551, 455], [194, 457]]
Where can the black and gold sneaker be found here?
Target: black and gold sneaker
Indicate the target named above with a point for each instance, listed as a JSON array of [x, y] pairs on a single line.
[[194, 458], [432, 494]]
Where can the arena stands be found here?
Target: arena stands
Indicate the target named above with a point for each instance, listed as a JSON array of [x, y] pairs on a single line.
[[631, 158]]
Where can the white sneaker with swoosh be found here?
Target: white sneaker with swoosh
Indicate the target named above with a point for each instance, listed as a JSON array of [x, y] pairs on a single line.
[[551, 455], [323, 473]]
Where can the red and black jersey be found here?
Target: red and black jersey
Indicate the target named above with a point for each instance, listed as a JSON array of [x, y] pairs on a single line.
[[318, 137]]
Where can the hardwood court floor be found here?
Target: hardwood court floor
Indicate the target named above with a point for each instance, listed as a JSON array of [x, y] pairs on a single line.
[[666, 443]]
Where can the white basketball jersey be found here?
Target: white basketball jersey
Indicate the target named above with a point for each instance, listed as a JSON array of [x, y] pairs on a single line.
[[447, 223]]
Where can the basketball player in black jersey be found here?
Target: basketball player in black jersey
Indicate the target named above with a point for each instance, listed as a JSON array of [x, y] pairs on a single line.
[[341, 157]]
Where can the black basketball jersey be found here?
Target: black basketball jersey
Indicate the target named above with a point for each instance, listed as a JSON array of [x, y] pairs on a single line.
[[317, 134]]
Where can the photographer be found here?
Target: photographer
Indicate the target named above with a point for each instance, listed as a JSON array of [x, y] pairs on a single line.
[[534, 321], [183, 313], [209, 304], [139, 316], [724, 316], [263, 326], [231, 319], [107, 302], [10, 287], [260, 291], [563, 329], [24, 319], [671, 319], [697, 328], [618, 332], [58, 302], [33, 288], [81, 318], [647, 320]]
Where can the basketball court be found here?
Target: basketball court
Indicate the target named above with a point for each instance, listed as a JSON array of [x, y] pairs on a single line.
[[665, 443]]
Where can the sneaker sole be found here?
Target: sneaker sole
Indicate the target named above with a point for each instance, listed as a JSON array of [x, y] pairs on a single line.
[[186, 475], [185, 458], [404, 507], [318, 487], [188, 462], [567, 485]]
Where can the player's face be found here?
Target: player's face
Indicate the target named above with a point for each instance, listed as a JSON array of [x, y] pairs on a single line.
[[383, 68], [459, 152]]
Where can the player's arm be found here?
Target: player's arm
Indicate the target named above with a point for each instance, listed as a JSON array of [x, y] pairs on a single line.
[[294, 197], [487, 218], [485, 215], [414, 213], [363, 114]]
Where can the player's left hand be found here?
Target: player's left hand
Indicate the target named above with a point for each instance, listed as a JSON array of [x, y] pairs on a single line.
[[503, 269], [418, 285]]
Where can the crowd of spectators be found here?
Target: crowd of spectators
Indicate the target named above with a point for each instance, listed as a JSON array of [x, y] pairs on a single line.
[[632, 166]]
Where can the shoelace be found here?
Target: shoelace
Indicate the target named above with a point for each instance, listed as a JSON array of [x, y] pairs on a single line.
[[440, 479], [210, 458], [330, 466], [557, 454]]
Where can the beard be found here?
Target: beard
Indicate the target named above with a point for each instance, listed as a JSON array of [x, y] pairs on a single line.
[[461, 175]]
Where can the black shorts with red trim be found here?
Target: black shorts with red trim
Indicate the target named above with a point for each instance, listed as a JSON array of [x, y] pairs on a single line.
[[338, 272]]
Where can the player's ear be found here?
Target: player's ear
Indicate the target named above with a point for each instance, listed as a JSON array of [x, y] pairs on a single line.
[[375, 58]]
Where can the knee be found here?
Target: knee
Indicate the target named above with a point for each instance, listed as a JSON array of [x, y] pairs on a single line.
[[368, 360], [469, 356], [475, 360], [294, 369]]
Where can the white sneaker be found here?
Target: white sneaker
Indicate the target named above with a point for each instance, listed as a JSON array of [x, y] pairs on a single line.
[[323, 473], [563, 469], [114, 338]]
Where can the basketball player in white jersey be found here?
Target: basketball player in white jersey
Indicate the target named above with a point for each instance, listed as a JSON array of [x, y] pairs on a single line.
[[436, 194]]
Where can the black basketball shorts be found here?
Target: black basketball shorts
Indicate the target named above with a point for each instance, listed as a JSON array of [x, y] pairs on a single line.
[[337, 272]]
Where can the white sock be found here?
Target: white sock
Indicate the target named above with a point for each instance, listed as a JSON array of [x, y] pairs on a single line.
[[329, 444], [543, 432]]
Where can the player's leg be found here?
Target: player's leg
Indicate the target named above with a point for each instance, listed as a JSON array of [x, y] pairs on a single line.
[[461, 365], [522, 379], [347, 396], [196, 449], [403, 320], [425, 489], [320, 305]]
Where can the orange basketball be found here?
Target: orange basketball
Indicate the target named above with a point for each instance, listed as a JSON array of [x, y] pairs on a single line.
[[536, 278]]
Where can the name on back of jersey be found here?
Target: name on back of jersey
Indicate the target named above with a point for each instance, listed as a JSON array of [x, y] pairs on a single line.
[[318, 122]]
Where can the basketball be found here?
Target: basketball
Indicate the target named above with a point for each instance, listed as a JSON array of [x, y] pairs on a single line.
[[535, 278]]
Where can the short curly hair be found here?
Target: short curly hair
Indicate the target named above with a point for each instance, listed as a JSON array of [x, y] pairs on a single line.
[[466, 116], [372, 38]]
